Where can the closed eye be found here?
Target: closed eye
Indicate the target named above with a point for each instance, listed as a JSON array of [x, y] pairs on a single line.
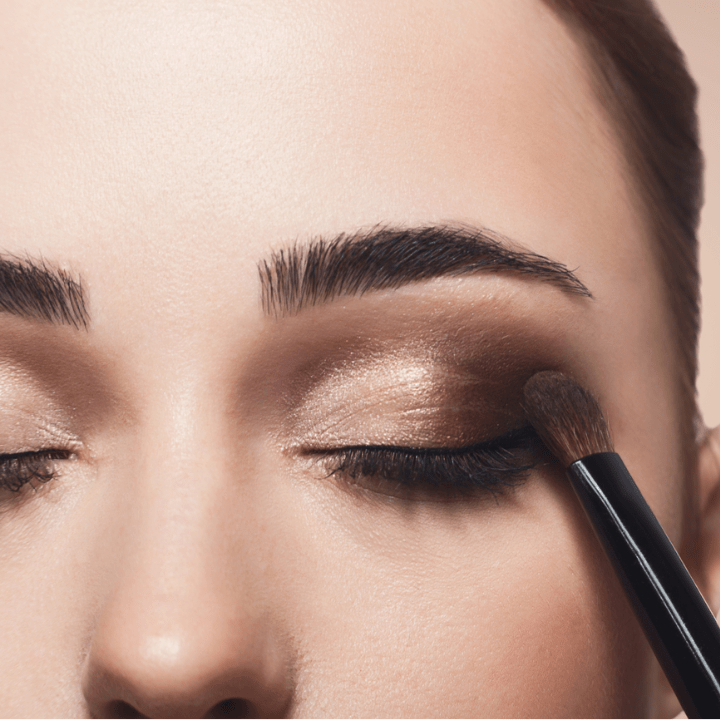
[[29, 468], [441, 473]]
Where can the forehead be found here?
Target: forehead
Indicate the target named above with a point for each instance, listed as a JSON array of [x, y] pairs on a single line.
[[276, 119]]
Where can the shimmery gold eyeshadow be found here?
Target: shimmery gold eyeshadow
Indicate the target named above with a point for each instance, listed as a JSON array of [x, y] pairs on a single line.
[[421, 396], [53, 374], [29, 418], [417, 372], [401, 399]]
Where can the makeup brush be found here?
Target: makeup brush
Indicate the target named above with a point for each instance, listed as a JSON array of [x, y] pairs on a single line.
[[676, 620]]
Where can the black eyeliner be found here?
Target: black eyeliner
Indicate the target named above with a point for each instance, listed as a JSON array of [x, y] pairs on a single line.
[[20, 469], [493, 465]]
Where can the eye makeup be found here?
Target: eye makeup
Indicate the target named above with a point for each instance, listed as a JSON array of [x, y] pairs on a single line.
[[34, 437], [438, 473], [58, 395], [394, 394], [418, 424], [420, 400], [18, 470], [410, 395]]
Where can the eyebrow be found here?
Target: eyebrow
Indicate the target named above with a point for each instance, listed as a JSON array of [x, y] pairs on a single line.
[[318, 271], [36, 291]]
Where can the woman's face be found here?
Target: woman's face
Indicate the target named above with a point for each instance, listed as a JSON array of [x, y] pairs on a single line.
[[195, 553]]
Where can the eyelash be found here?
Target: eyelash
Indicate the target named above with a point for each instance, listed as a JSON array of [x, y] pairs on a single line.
[[442, 473], [27, 468], [492, 466]]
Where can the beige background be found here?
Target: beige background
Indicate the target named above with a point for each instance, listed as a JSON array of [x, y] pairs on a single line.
[[696, 26]]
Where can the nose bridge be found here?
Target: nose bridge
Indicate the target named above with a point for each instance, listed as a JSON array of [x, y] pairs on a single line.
[[184, 486], [183, 628]]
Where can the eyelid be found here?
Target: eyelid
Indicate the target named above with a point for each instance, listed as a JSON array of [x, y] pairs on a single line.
[[515, 436], [45, 443], [30, 421], [437, 473], [431, 390], [18, 470]]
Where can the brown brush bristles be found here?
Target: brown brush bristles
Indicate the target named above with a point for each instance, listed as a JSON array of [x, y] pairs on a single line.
[[567, 417]]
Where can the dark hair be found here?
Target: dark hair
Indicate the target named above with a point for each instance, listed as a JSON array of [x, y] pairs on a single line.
[[641, 77]]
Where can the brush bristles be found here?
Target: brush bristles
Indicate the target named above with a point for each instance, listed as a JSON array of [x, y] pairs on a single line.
[[567, 417]]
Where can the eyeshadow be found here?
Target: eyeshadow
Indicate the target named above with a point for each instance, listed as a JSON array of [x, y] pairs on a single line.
[[29, 416], [56, 375], [417, 396]]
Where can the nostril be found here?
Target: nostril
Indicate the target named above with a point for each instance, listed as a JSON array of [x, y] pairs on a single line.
[[120, 709], [232, 708]]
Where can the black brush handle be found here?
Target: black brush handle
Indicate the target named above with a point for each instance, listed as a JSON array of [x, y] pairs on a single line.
[[676, 619]]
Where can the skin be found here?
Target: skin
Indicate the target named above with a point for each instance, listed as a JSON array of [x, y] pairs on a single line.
[[190, 559]]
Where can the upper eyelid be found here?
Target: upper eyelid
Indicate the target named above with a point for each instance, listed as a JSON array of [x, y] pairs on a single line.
[[519, 436], [68, 444]]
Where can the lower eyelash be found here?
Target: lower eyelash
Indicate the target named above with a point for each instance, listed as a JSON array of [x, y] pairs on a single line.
[[20, 469], [491, 466]]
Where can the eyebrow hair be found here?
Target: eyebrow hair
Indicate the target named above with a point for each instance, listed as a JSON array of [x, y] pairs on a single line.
[[316, 272], [36, 291]]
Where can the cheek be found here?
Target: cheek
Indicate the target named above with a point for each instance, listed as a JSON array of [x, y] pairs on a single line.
[[508, 609]]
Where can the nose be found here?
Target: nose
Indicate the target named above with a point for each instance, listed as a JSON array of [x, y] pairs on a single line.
[[185, 670], [183, 626]]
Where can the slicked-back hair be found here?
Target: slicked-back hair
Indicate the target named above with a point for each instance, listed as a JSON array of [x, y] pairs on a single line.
[[644, 82], [642, 79]]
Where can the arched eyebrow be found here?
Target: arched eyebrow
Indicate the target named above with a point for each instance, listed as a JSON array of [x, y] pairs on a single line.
[[36, 291], [316, 272]]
